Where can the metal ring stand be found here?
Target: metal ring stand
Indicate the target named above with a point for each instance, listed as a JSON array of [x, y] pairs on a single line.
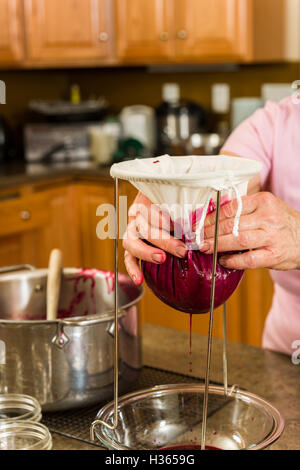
[[209, 345], [116, 320], [210, 328]]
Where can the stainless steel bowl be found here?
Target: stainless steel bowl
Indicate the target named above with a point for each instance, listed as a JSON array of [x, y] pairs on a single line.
[[69, 362]]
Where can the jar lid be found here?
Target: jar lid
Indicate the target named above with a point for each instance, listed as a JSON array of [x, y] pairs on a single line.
[[15, 407], [24, 435]]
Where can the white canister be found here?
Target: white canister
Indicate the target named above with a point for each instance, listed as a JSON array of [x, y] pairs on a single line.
[[103, 144], [139, 122]]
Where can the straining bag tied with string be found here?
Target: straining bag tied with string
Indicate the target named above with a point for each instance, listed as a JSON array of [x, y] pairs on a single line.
[[186, 188]]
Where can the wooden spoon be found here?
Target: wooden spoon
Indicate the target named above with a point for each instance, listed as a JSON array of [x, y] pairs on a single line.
[[53, 284]]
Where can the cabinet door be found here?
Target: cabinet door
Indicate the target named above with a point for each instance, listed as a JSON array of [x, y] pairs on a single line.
[[63, 229], [23, 229], [69, 30], [38, 223], [11, 32], [144, 29], [97, 253], [210, 30]]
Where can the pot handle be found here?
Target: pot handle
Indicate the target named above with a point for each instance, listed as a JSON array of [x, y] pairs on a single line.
[[60, 340], [19, 267]]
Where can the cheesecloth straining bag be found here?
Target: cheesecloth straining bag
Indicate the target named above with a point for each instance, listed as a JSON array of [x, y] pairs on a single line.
[[186, 186]]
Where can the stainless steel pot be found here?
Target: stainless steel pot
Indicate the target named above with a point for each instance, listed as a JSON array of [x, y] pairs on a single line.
[[69, 362]]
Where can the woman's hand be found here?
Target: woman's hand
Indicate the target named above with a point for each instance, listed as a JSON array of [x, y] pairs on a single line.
[[268, 227], [146, 222]]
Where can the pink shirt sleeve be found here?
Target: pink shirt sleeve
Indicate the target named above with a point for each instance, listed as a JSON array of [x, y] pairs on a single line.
[[254, 139]]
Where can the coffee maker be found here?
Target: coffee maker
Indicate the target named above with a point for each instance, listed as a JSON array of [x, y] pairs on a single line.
[[177, 121]]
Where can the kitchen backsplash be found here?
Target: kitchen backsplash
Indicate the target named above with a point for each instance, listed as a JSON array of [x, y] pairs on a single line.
[[123, 87]]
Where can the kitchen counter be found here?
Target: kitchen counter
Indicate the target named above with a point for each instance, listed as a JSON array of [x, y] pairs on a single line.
[[23, 173], [268, 374]]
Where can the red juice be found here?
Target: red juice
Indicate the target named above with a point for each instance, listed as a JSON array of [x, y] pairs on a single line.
[[189, 447], [191, 331]]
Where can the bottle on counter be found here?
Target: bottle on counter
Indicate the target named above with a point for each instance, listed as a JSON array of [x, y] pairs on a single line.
[[220, 103], [75, 94]]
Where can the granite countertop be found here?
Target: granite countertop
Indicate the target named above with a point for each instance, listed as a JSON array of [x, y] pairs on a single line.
[[20, 173], [272, 376]]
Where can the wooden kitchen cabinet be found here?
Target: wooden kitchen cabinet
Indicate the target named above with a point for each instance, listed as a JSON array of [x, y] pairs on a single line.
[[68, 31], [63, 228], [34, 224], [63, 217], [96, 253], [37, 33], [11, 32], [200, 31], [211, 30], [144, 30], [22, 230]]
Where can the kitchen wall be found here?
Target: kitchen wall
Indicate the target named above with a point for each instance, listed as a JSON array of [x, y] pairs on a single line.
[[124, 86]]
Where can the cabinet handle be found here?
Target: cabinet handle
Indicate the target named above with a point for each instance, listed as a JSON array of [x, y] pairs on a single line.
[[182, 34], [164, 36], [25, 215], [103, 37]]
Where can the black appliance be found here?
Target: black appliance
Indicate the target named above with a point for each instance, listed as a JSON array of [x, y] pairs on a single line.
[[6, 149], [177, 121]]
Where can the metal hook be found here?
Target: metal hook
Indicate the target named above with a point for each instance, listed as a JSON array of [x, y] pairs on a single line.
[[235, 388], [99, 422]]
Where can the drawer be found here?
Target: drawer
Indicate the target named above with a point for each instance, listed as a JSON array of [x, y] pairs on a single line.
[[24, 213]]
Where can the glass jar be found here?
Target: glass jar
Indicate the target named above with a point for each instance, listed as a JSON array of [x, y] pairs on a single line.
[[24, 435], [19, 408]]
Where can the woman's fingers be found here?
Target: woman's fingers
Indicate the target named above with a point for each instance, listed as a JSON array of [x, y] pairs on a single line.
[[141, 250], [158, 237], [148, 222], [244, 241], [246, 222], [138, 249], [261, 258], [155, 216], [139, 228], [133, 268], [154, 254], [229, 210]]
